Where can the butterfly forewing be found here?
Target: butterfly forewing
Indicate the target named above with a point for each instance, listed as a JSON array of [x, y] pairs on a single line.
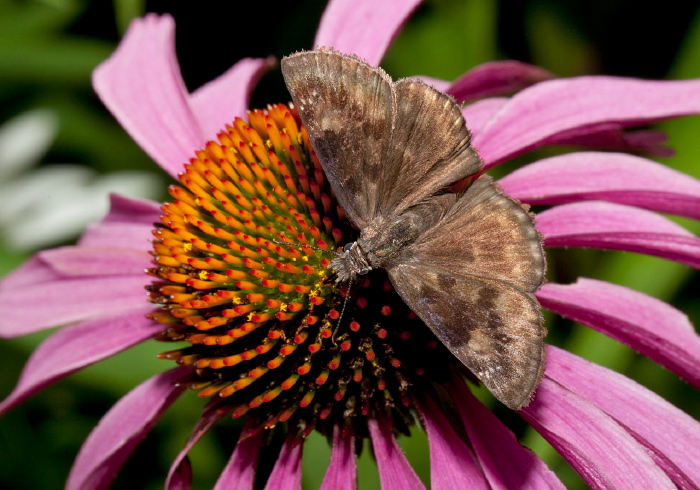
[[347, 108], [470, 278], [430, 146]]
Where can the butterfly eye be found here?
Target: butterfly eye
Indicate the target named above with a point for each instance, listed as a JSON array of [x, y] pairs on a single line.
[[348, 246]]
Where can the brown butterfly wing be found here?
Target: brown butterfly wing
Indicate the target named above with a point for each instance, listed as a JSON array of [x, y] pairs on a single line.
[[470, 278], [430, 147], [384, 146], [348, 110]]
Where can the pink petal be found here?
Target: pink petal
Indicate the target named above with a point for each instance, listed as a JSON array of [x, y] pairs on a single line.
[[73, 348], [95, 261], [616, 177], [63, 300], [342, 469], [616, 227], [597, 447], [129, 224], [553, 107], [121, 429], [218, 102], [180, 474], [123, 209], [67, 298], [362, 27], [503, 460], [286, 475], [673, 437], [496, 78], [239, 473], [395, 472], [120, 235], [142, 86], [615, 138], [649, 326], [452, 463], [478, 114]]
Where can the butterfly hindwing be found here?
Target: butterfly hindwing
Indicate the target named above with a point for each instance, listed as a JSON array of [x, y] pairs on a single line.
[[470, 278], [494, 329]]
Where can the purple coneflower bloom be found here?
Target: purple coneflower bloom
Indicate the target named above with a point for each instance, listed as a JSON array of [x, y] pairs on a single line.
[[614, 432]]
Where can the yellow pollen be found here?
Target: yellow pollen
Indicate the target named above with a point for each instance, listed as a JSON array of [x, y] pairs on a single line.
[[203, 275]]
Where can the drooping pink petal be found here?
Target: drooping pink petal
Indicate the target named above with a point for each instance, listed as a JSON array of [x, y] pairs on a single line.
[[286, 475], [128, 210], [505, 463], [342, 469], [73, 348], [218, 102], [597, 447], [180, 474], [395, 472], [120, 235], [142, 86], [669, 434], [452, 463], [72, 285], [363, 27], [29, 308], [616, 227], [239, 473], [614, 137], [95, 261], [646, 324], [496, 78], [129, 224], [615, 177], [478, 114], [121, 429], [553, 107]]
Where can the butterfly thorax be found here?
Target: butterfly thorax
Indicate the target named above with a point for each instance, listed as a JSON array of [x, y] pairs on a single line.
[[383, 238]]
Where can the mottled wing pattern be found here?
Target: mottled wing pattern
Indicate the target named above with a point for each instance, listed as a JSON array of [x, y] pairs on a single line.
[[430, 147], [485, 234], [347, 108], [470, 278]]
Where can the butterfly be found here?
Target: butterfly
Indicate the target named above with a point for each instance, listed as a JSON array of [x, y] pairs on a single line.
[[464, 256]]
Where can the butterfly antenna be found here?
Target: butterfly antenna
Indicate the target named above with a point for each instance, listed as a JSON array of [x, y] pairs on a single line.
[[342, 311], [303, 245]]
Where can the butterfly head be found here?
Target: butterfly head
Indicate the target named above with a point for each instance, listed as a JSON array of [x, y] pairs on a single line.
[[351, 262]]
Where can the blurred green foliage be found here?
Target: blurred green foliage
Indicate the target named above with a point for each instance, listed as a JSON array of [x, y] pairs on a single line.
[[48, 50]]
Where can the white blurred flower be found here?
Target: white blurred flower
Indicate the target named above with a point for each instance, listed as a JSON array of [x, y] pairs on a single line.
[[51, 204]]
